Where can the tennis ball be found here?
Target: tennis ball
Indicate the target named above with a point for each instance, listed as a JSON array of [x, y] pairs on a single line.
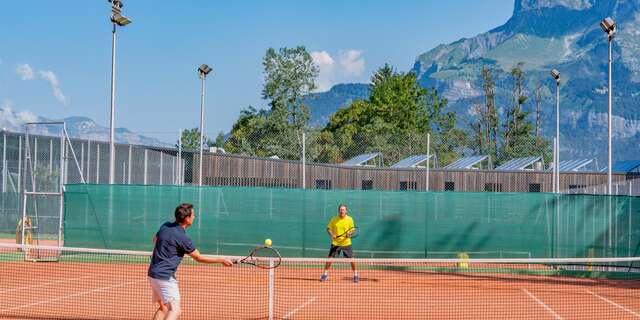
[[267, 242]]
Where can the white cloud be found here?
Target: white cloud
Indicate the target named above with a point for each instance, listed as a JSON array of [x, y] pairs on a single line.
[[51, 78], [326, 69], [25, 71], [349, 67], [352, 62], [13, 121]]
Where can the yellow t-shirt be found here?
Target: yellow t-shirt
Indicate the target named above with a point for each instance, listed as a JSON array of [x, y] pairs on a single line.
[[339, 226]]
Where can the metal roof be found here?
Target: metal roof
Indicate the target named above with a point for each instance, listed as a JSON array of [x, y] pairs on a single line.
[[573, 165], [412, 161], [518, 163], [361, 159], [625, 166], [466, 162]]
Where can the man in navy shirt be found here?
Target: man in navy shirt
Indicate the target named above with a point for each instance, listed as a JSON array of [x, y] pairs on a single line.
[[171, 244]]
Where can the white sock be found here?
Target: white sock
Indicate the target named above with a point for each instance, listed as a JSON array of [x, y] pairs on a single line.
[[355, 273], [326, 273]]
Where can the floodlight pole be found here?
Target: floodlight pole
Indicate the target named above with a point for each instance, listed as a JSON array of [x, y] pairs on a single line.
[[202, 76], [116, 19], [112, 155], [557, 159], [610, 36]]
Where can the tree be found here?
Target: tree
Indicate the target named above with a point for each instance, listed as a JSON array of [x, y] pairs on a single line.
[[289, 75], [190, 139], [517, 128], [394, 120], [485, 127], [538, 98], [219, 140]]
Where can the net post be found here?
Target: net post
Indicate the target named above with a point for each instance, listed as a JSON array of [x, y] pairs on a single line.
[[271, 288]]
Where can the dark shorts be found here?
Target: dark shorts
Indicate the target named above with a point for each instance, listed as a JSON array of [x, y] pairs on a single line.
[[334, 252]]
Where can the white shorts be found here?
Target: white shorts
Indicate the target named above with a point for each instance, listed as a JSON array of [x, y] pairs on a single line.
[[164, 290]]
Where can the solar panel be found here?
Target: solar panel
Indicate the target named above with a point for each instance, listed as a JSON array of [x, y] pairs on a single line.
[[624, 166], [573, 165], [466, 162], [518, 163], [360, 159], [412, 161]]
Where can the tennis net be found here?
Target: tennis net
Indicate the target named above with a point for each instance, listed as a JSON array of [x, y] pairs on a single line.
[[112, 284]]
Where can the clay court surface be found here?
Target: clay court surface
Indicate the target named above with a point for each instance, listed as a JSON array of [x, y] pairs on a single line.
[[71, 290]]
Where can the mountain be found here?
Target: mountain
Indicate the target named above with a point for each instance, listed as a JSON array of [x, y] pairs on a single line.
[[77, 127], [547, 34], [322, 105]]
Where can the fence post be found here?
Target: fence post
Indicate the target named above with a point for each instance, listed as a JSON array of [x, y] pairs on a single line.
[[97, 163], [82, 157], [19, 163], [4, 161], [146, 151], [161, 167], [180, 164], [51, 156], [88, 161], [304, 161], [428, 159]]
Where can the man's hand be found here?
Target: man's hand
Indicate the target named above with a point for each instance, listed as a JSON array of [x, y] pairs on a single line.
[[226, 262]]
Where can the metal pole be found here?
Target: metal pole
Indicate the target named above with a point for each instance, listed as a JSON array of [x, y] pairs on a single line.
[[51, 156], [97, 163], [609, 119], [161, 166], [145, 165], [19, 163], [202, 76], [555, 169], [61, 187], [557, 159], [129, 168], [88, 161], [4, 161], [112, 148], [428, 158], [180, 168], [304, 162]]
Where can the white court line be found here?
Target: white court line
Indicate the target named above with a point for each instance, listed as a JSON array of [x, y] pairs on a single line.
[[42, 284], [555, 315], [292, 312], [70, 296], [613, 303]]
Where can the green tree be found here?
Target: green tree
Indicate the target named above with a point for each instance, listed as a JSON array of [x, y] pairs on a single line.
[[394, 119], [191, 139], [289, 75]]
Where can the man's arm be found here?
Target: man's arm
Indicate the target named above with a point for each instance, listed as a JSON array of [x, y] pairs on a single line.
[[195, 255], [333, 236]]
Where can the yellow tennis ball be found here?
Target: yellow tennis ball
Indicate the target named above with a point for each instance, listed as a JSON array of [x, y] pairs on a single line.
[[267, 242]]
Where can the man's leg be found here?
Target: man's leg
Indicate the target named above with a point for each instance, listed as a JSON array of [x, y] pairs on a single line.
[[348, 253], [332, 253], [161, 313], [174, 310]]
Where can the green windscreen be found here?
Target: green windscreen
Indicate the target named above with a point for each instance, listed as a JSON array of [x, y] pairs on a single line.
[[395, 224]]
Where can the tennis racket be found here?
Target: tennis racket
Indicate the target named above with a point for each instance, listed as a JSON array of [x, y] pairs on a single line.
[[350, 233], [262, 257]]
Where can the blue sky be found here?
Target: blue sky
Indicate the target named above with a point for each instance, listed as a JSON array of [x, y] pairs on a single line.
[[55, 57]]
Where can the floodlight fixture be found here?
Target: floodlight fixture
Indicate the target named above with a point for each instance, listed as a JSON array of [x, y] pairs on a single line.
[[204, 69], [608, 26], [120, 20]]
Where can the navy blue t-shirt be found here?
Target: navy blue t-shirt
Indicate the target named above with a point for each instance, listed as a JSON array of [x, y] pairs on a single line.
[[171, 245]]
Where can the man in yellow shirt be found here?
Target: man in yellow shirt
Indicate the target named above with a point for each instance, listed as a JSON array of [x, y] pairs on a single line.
[[338, 229]]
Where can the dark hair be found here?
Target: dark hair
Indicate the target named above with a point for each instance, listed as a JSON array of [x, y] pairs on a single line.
[[183, 211], [342, 205]]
